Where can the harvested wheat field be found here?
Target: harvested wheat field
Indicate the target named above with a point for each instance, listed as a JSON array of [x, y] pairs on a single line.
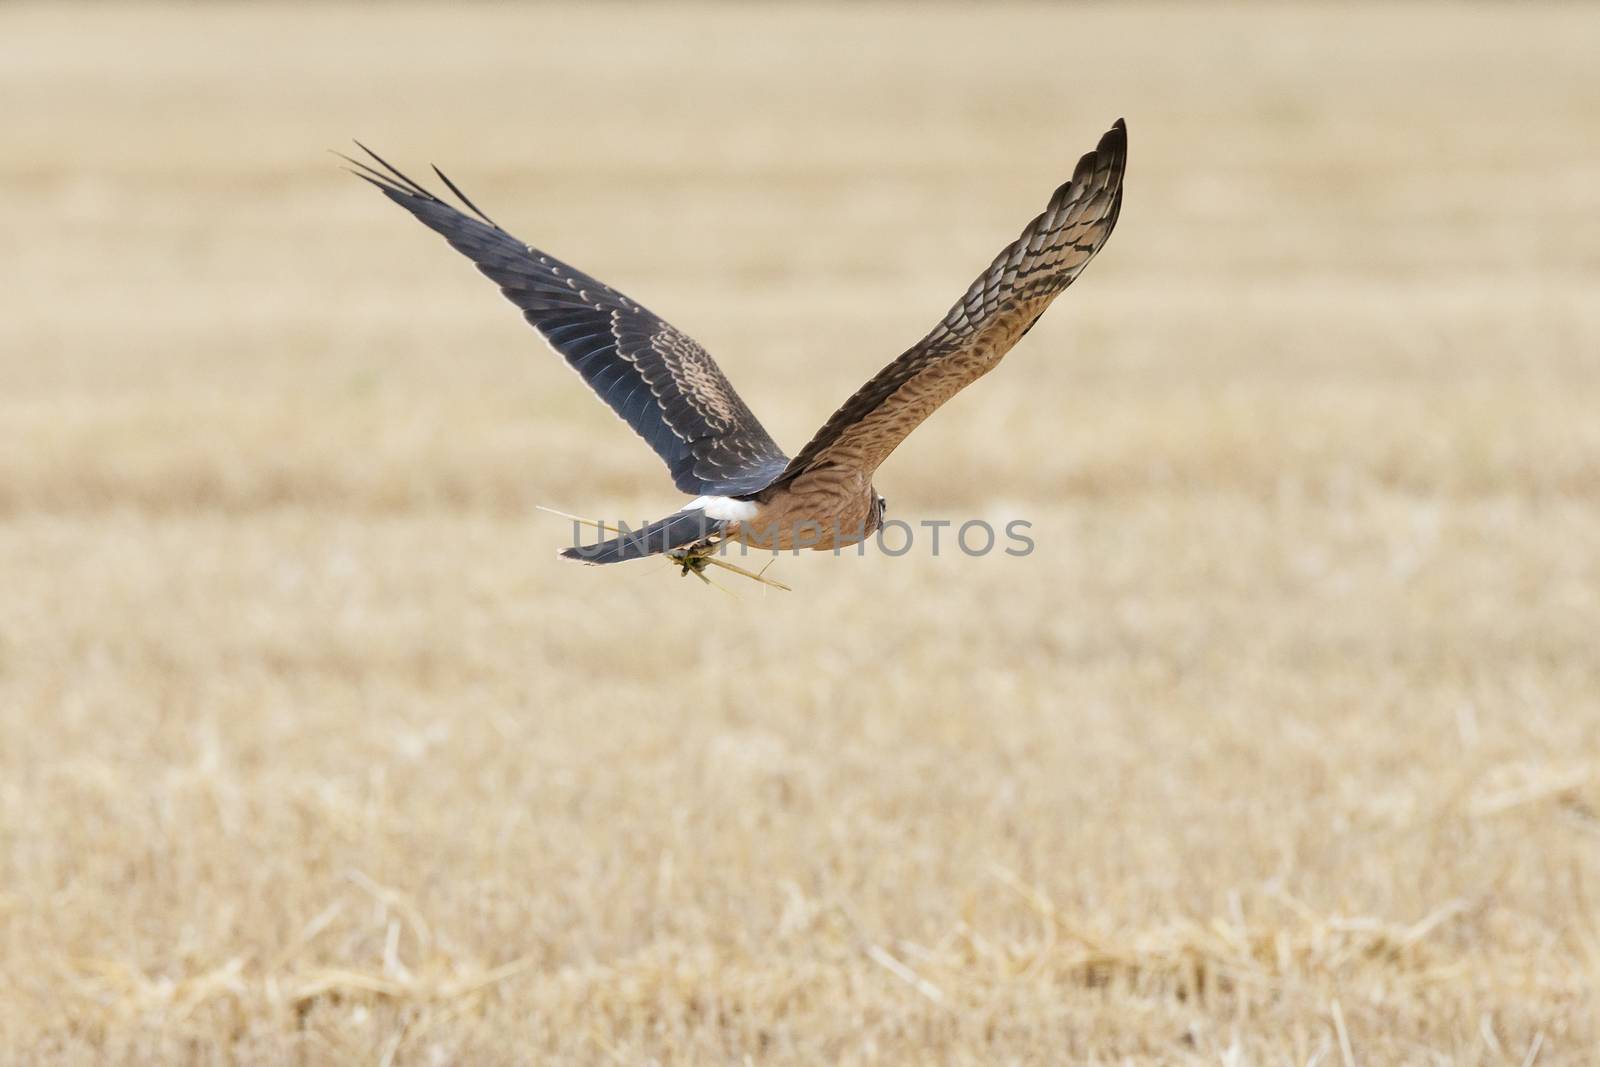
[[1281, 747]]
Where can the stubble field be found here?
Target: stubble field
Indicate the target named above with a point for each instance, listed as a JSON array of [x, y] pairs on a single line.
[[1282, 747]]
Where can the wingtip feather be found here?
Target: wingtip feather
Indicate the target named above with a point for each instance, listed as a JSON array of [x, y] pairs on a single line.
[[464, 198]]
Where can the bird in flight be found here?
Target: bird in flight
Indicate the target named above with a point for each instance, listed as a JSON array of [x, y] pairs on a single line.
[[674, 395]]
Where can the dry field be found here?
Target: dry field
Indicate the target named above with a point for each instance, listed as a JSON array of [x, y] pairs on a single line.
[[1283, 747]]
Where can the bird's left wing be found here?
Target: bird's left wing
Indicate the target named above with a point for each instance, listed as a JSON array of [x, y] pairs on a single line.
[[996, 311], [657, 378]]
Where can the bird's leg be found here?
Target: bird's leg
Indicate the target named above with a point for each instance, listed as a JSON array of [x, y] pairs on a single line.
[[694, 559]]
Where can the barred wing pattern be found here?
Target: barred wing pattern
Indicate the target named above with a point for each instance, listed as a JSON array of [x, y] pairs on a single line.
[[659, 380], [996, 311]]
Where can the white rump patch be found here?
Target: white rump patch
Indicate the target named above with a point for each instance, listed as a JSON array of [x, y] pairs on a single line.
[[724, 507]]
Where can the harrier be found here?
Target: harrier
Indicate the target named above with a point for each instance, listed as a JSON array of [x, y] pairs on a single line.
[[675, 396]]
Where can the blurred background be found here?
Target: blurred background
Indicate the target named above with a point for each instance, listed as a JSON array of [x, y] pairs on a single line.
[[1282, 746]]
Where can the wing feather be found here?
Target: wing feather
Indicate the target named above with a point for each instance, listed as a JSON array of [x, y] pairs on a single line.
[[996, 310], [658, 379]]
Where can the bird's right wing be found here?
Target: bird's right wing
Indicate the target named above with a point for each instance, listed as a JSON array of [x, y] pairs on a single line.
[[998, 308], [658, 379]]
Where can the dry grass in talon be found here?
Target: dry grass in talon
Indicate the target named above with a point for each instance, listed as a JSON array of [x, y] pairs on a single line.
[[1281, 747]]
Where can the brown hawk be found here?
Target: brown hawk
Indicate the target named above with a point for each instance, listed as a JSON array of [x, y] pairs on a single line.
[[674, 395]]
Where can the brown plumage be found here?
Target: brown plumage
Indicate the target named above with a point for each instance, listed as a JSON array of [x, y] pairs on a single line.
[[675, 396]]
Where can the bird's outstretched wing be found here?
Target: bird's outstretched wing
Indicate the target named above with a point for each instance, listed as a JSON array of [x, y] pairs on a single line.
[[996, 311], [658, 379]]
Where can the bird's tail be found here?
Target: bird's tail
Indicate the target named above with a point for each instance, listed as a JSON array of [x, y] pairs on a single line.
[[675, 531]]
